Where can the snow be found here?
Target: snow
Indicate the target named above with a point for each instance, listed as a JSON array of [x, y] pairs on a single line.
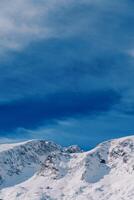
[[46, 171], [6, 147]]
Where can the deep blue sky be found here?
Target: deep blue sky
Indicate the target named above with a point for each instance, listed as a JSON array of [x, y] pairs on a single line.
[[66, 70]]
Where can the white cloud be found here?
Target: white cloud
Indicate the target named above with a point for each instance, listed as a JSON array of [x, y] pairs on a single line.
[[20, 23], [24, 21]]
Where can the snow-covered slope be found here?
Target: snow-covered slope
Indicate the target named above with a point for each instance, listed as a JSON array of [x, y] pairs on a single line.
[[40, 170]]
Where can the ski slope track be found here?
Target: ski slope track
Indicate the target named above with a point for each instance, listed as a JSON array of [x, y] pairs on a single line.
[[42, 170]]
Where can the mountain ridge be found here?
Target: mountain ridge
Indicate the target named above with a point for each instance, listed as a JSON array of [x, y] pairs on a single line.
[[43, 170]]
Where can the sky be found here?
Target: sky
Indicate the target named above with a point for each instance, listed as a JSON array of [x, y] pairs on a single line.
[[66, 70]]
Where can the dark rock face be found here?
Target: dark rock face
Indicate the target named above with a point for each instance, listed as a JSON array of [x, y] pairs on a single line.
[[103, 161], [73, 149]]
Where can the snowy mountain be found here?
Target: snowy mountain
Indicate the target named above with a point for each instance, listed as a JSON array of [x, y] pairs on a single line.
[[41, 170]]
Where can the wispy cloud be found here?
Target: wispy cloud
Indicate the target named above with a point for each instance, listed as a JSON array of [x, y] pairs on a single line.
[[22, 22]]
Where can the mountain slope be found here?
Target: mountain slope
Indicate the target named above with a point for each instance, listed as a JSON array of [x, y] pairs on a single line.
[[40, 170]]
